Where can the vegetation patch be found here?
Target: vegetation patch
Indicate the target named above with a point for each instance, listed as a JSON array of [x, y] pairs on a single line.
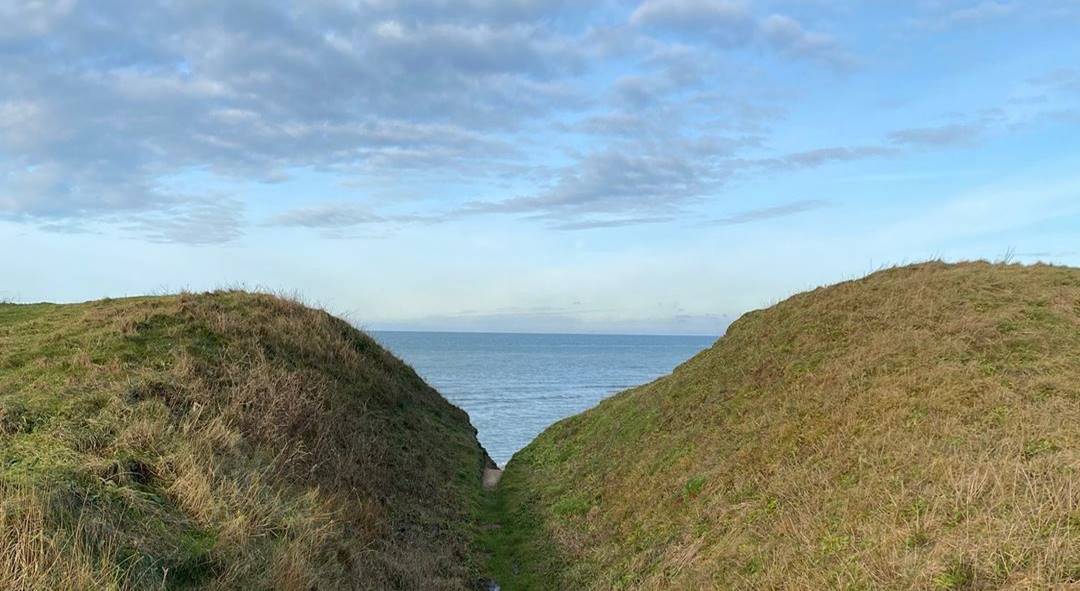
[[693, 487], [225, 441], [915, 429]]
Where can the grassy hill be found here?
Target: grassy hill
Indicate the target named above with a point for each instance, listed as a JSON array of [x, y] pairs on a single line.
[[916, 429], [224, 441]]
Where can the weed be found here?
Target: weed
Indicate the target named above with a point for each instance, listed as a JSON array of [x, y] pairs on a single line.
[[958, 576], [1037, 447], [693, 487], [570, 507]]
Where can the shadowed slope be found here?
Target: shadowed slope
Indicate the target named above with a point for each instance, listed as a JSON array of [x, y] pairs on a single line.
[[226, 441], [916, 429]]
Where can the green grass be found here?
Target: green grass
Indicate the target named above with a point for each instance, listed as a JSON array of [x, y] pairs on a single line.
[[225, 441], [513, 536], [915, 429]]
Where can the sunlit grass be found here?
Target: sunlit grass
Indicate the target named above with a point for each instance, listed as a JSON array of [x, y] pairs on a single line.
[[224, 441], [916, 429]]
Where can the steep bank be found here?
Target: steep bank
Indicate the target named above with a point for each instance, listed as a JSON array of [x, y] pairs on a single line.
[[226, 441], [916, 429]]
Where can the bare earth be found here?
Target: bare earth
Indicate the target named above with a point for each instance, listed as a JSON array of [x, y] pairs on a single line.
[[491, 478]]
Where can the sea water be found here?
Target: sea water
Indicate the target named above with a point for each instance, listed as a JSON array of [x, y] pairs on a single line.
[[516, 385]]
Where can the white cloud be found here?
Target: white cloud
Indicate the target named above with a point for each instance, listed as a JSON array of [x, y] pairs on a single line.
[[26, 18], [732, 23], [788, 35], [108, 99], [724, 21], [635, 116]]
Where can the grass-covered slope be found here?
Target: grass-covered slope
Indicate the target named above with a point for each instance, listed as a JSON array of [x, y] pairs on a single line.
[[224, 441], [916, 429]]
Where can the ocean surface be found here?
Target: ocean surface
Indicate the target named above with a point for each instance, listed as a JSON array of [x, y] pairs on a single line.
[[516, 385]]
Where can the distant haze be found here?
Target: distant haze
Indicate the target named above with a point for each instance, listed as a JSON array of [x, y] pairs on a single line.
[[656, 166]]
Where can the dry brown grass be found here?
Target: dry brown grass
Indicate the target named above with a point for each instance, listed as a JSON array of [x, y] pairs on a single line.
[[31, 560], [224, 441], [916, 429]]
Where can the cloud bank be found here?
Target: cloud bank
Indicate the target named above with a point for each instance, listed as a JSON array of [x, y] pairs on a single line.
[[163, 118]]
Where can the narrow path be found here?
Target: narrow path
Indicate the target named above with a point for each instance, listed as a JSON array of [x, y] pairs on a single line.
[[491, 481], [491, 478]]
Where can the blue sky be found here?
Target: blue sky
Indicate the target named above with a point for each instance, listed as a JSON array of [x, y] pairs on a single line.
[[529, 165]]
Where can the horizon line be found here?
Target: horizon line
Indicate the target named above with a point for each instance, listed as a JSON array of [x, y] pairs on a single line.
[[535, 333]]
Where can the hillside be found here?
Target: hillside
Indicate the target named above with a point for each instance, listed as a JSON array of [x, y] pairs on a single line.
[[915, 429], [224, 441]]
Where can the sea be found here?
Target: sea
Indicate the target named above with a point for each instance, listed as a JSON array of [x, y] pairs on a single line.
[[516, 385]]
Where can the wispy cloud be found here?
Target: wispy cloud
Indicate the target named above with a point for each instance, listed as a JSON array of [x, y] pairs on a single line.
[[822, 156], [612, 223], [326, 216], [768, 213], [945, 135], [732, 23], [197, 222], [1059, 80], [971, 13]]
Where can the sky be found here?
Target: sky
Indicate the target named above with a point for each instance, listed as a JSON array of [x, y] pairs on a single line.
[[621, 166]]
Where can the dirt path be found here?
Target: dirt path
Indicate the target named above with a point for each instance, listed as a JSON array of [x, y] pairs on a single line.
[[491, 478]]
